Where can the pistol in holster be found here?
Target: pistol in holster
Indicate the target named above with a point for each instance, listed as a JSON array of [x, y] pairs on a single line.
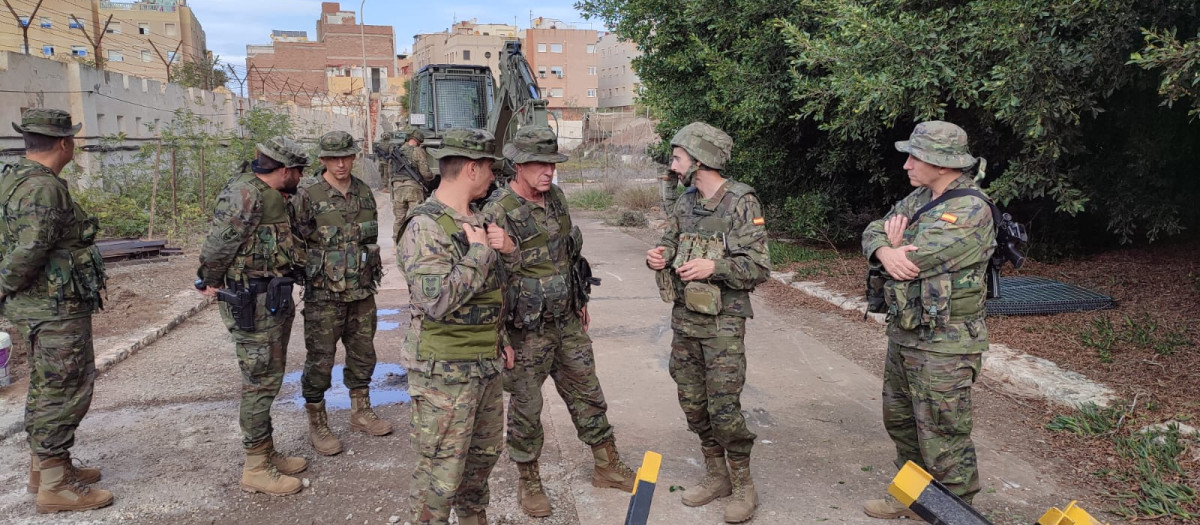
[[241, 306]]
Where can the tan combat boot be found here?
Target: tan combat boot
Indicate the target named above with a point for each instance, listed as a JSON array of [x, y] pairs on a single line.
[[260, 475], [57, 492], [322, 439], [84, 475], [716, 482], [610, 472], [530, 494], [889, 508], [286, 465], [362, 418], [473, 519], [741, 506]]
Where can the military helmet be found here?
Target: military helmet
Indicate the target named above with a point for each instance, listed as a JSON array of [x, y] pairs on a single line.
[[385, 136], [473, 144], [938, 143], [534, 144], [416, 133], [49, 122], [705, 143], [284, 151], [336, 144]]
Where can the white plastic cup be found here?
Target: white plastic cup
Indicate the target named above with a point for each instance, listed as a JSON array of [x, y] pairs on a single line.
[[5, 357]]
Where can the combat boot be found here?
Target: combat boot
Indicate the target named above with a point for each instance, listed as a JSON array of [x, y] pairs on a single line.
[[84, 475], [716, 482], [473, 519], [610, 472], [741, 506], [889, 508], [362, 418], [322, 439], [286, 465], [530, 494], [260, 475], [57, 492]]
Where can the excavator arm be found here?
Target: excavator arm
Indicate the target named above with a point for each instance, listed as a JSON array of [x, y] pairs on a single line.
[[518, 100]]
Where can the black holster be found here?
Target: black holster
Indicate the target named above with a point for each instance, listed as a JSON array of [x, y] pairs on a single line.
[[241, 306], [279, 295]]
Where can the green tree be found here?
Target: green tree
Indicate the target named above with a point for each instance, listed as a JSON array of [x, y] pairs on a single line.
[[207, 74]]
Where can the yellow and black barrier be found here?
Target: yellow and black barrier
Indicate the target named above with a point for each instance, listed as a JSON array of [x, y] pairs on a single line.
[[643, 489], [935, 504]]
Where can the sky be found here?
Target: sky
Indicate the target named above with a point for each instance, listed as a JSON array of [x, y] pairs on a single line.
[[230, 25]]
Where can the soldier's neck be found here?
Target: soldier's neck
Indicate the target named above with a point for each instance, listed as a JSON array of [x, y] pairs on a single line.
[[49, 159], [527, 192], [338, 184], [938, 187], [707, 182], [457, 199]]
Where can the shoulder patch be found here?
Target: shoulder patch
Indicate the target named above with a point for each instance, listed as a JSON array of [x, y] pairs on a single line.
[[431, 285]]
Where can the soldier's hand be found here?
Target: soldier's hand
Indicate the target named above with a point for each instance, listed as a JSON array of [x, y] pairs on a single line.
[[895, 227], [475, 235], [697, 269], [499, 240], [654, 258], [585, 318], [510, 357], [895, 261], [209, 291]]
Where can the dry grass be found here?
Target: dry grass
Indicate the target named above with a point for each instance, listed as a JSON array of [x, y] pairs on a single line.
[[638, 197]]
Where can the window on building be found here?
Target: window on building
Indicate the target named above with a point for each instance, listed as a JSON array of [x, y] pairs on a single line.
[[115, 56], [137, 124], [146, 57], [24, 21], [591, 49], [171, 57], [73, 24], [171, 29], [48, 51], [143, 28], [78, 51], [556, 48], [556, 71], [120, 124], [592, 71], [45, 21], [100, 122], [22, 49], [466, 54], [541, 47], [541, 71], [114, 28], [591, 93], [556, 92]]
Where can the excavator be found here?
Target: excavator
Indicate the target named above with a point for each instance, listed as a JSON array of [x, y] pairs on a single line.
[[447, 96]]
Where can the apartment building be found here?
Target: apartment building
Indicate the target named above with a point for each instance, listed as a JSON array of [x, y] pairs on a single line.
[[467, 42], [617, 85], [143, 38], [564, 60], [293, 68]]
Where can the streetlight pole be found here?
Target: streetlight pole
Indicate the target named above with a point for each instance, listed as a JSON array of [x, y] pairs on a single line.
[[362, 31]]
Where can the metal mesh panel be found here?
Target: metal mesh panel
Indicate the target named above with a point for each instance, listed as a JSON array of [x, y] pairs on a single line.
[[1027, 295], [462, 102]]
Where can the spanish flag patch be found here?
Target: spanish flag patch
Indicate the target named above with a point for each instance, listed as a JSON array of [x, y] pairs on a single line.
[[759, 221], [949, 217]]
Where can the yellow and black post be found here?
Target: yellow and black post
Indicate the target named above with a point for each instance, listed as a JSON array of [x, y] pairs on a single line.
[[931, 500], [643, 489]]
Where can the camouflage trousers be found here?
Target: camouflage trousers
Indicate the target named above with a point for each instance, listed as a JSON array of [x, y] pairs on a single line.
[[62, 371], [927, 412], [406, 195], [457, 433], [709, 373], [326, 323], [261, 355], [564, 353]]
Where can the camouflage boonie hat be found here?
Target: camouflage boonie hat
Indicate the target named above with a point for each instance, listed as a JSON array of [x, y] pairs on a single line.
[[707, 144], [336, 144], [473, 144], [284, 151], [939, 143], [416, 133], [49, 122], [534, 144]]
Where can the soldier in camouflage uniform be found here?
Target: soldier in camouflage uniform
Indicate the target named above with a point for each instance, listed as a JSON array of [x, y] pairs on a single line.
[[407, 193], [548, 320], [250, 251], [51, 276], [448, 252], [936, 264], [335, 215], [711, 257]]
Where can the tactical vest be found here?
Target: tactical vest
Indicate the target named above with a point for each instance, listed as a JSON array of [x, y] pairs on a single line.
[[342, 253], [72, 278], [271, 250], [472, 331], [542, 289], [710, 226]]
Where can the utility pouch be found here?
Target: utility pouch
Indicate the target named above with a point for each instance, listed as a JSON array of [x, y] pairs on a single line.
[[935, 301], [374, 263], [904, 304], [279, 295], [876, 280], [666, 285], [702, 298]]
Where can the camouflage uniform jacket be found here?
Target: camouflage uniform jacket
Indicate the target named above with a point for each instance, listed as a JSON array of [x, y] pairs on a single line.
[[251, 236], [942, 309], [538, 286], [443, 276], [341, 232], [50, 267], [416, 156], [734, 211]]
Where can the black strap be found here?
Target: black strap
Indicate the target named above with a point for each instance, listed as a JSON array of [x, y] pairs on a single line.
[[959, 192]]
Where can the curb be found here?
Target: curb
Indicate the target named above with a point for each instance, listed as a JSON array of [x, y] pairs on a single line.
[[107, 359], [1017, 372]]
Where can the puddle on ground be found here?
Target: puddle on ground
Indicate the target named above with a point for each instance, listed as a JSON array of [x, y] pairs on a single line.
[[387, 326], [389, 386], [388, 312]]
